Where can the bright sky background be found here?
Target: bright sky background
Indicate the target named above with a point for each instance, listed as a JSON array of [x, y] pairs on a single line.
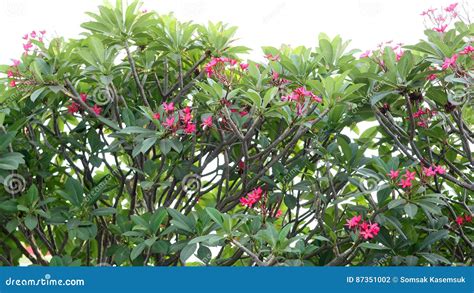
[[260, 22]]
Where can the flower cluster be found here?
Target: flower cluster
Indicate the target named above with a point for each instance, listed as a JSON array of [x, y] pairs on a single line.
[[299, 96], [75, 107], [28, 46], [423, 117], [366, 230], [461, 220], [252, 197], [450, 62], [440, 19], [278, 81], [467, 50], [407, 179], [377, 55], [432, 171], [184, 121], [216, 67]]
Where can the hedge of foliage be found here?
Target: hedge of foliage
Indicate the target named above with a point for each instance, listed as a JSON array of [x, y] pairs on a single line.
[[149, 141]]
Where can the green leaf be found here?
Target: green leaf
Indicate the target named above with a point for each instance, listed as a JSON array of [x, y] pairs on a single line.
[[395, 203], [215, 216], [165, 146], [410, 210], [36, 94], [269, 96], [433, 237], [97, 49], [12, 225], [373, 246], [204, 254], [73, 192], [104, 211], [187, 251], [156, 219], [11, 161], [31, 221], [6, 139], [32, 196], [137, 250]]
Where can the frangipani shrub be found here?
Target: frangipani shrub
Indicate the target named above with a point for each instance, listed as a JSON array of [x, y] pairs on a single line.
[[149, 141]]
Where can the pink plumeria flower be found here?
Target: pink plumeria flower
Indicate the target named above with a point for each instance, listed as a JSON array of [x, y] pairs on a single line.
[[10, 74], [207, 122], [459, 220], [156, 116], [97, 109], [83, 97], [27, 46], [33, 34], [404, 183], [25, 37], [439, 170], [451, 7], [429, 11], [467, 50], [353, 222], [431, 77], [190, 128], [73, 108], [16, 62], [243, 66], [43, 32], [429, 172], [168, 107], [12, 83], [278, 214], [441, 29], [369, 231], [366, 54], [246, 202], [399, 55], [169, 122], [187, 110], [449, 62], [394, 174], [410, 175], [272, 58]]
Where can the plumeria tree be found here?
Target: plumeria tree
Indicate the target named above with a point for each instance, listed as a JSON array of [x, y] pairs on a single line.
[[149, 141]]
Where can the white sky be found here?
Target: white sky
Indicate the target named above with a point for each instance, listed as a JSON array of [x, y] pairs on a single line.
[[260, 22]]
